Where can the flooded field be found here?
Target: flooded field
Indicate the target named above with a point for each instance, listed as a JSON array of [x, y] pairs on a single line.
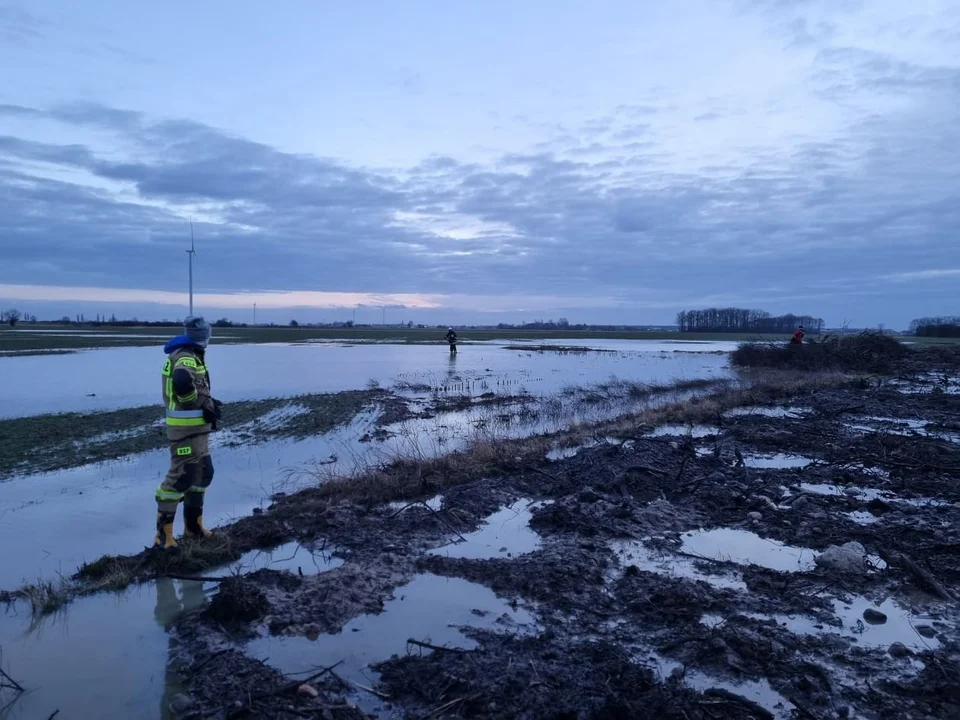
[[250, 372], [742, 550]]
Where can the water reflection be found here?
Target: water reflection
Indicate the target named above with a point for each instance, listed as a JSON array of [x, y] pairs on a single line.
[[103, 656]]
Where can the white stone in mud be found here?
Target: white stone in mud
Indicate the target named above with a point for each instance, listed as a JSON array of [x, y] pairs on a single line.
[[848, 558]]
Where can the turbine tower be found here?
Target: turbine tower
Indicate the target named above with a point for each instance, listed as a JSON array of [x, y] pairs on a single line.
[[190, 253]]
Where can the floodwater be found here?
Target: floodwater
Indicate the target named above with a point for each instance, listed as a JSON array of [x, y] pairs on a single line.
[[765, 411], [105, 656], [746, 548], [429, 609], [110, 378], [506, 533], [691, 431], [669, 564], [108, 508], [898, 624], [775, 460]]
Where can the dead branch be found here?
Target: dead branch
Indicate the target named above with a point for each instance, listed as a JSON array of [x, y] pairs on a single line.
[[435, 513], [446, 706], [290, 687], [729, 697], [922, 577], [538, 471], [382, 696], [438, 516], [10, 682], [436, 648], [212, 657]]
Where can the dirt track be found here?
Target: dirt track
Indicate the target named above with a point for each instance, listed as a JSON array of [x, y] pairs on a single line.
[[636, 613]]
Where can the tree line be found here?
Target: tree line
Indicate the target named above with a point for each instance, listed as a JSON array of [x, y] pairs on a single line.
[[947, 326], [740, 320]]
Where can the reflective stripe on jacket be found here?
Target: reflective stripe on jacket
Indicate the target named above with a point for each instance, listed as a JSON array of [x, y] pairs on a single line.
[[184, 413]]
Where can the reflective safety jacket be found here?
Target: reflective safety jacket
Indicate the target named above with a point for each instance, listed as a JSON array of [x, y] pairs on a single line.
[[186, 389]]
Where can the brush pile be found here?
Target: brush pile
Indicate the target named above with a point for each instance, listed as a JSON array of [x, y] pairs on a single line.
[[870, 352]]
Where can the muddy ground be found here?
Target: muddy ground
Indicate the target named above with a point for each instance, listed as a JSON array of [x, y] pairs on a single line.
[[637, 613]]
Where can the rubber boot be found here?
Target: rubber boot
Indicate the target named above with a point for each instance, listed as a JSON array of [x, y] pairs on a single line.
[[193, 517], [164, 539]]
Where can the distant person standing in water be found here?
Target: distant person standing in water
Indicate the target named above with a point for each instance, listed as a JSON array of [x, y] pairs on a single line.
[[192, 414], [797, 338], [452, 339]]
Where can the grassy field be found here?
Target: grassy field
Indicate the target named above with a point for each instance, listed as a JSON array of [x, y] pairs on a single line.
[[51, 338]]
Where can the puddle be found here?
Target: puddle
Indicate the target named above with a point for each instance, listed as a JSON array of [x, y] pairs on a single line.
[[429, 609], [758, 691], [862, 517], [746, 548], [563, 453], [434, 503], [892, 426], [694, 431], [506, 533], [631, 552], [292, 556], [899, 627], [929, 383], [868, 494], [776, 460], [902, 426], [105, 656], [770, 412]]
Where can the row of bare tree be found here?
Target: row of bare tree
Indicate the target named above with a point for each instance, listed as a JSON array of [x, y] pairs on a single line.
[[943, 326], [741, 320], [12, 317]]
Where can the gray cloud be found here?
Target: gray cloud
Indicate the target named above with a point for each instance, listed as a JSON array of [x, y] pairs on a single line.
[[597, 211], [18, 26]]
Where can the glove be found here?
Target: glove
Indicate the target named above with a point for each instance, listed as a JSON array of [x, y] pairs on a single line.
[[213, 411]]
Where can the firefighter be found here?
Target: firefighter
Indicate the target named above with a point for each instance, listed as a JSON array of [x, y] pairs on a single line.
[[452, 339], [798, 334], [191, 415]]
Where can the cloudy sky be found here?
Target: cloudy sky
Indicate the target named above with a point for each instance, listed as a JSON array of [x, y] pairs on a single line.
[[609, 161]]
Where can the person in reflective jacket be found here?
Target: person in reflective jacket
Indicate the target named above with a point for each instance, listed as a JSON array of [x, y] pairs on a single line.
[[191, 415], [451, 338]]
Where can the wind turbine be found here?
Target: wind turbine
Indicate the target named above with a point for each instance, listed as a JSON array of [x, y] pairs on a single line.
[[190, 253]]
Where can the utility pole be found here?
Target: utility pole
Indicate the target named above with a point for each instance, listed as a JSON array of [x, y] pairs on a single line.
[[254, 312], [384, 323], [190, 253]]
